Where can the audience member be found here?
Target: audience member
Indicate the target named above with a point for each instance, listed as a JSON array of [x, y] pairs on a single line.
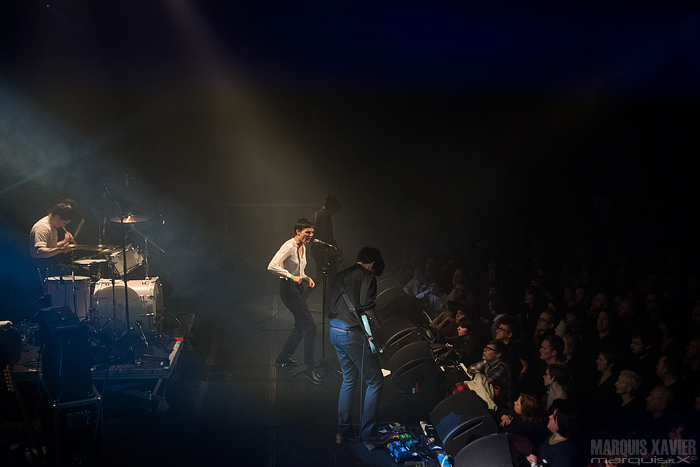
[[559, 450], [497, 313], [603, 337], [628, 319], [516, 351], [464, 343], [643, 360], [525, 420], [573, 321], [496, 371], [434, 298], [556, 380], [546, 323], [655, 428], [573, 359], [601, 395], [446, 322], [692, 365], [631, 413], [668, 370], [532, 308], [645, 320], [418, 284]]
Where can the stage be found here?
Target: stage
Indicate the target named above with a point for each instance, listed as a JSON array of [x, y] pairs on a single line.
[[227, 402]]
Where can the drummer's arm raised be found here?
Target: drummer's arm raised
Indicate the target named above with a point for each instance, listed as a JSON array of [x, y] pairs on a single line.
[[67, 240]]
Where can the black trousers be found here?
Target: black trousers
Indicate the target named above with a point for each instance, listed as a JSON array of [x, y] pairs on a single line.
[[294, 296]]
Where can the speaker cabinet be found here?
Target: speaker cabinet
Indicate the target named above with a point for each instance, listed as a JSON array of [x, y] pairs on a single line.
[[77, 437], [461, 419], [393, 301], [489, 451], [65, 359], [413, 369], [396, 333]]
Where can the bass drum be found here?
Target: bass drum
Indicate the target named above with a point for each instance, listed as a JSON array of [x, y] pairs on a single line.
[[145, 303], [75, 295]]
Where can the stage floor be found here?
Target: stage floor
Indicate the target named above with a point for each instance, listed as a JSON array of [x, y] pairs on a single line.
[[230, 405]]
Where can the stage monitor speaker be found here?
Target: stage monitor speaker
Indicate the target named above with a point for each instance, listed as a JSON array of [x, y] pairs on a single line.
[[396, 333], [460, 419], [57, 318], [65, 359], [393, 301], [489, 451], [413, 369]]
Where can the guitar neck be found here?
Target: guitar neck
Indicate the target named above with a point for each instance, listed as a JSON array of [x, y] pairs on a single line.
[[37, 453]]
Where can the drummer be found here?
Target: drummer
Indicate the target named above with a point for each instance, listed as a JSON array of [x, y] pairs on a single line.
[[43, 237]]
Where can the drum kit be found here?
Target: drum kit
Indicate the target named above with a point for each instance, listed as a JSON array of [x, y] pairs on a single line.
[[95, 291]]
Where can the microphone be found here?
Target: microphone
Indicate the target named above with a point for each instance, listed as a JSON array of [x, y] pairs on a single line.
[[316, 240]]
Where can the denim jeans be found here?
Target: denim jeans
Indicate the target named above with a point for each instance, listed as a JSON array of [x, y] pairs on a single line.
[[355, 356]]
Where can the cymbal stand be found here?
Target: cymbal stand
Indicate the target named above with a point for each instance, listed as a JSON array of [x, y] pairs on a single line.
[[146, 242], [126, 288]]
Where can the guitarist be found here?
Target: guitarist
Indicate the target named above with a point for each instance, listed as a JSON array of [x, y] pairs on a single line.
[[352, 310]]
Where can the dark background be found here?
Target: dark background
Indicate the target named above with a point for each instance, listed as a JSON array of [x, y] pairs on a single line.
[[481, 120]]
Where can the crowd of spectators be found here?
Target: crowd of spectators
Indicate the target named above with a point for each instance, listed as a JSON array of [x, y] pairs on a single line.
[[584, 347]]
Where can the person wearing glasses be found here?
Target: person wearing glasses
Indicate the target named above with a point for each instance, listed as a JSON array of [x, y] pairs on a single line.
[[643, 359], [496, 371], [515, 350], [555, 378], [547, 322]]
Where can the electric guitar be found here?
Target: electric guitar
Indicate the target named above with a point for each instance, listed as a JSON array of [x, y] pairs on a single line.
[[368, 332], [36, 450]]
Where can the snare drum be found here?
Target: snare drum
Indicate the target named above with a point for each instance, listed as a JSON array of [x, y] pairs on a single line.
[[145, 302], [134, 259], [74, 295]]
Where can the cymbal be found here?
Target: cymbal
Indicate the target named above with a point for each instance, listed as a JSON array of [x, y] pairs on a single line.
[[76, 246], [108, 248], [130, 219], [89, 261]]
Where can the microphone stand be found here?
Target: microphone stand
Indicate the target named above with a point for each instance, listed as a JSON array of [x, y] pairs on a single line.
[[324, 281]]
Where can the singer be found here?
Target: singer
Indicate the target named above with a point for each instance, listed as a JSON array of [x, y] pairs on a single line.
[[289, 263], [353, 293]]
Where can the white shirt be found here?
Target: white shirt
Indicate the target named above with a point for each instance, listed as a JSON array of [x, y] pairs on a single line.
[[287, 261], [42, 235]]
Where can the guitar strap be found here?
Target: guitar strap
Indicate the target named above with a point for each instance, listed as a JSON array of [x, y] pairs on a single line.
[[363, 317]]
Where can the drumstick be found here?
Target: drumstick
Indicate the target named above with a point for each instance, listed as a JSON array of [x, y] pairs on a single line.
[[80, 226]]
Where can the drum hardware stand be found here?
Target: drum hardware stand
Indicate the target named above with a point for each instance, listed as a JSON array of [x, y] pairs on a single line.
[[324, 282], [46, 298], [146, 241], [126, 288], [143, 336]]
